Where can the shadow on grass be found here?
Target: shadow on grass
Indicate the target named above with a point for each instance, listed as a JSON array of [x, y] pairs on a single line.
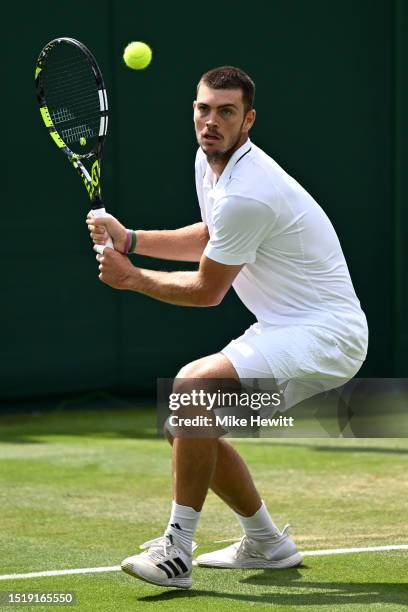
[[347, 449], [41, 436], [103, 415], [132, 424], [286, 585], [91, 415]]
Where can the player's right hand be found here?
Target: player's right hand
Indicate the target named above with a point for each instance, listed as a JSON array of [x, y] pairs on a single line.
[[102, 227]]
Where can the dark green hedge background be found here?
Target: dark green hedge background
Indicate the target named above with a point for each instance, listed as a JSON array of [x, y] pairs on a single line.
[[332, 99]]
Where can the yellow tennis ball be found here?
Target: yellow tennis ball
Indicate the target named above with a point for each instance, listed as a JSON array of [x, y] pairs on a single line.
[[137, 55]]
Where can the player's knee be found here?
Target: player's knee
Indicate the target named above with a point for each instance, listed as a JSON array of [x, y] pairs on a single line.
[[189, 390], [167, 434], [187, 379], [195, 369], [204, 375], [191, 383]]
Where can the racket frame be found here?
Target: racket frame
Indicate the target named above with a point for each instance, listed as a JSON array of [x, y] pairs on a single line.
[[90, 179]]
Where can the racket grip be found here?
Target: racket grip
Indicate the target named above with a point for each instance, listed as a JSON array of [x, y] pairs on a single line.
[[101, 212]]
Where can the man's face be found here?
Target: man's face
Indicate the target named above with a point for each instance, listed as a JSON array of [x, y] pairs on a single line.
[[220, 121]]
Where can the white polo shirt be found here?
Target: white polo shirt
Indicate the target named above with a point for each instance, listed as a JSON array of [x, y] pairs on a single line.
[[295, 272]]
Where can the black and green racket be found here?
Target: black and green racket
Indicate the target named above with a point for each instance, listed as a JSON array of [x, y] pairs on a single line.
[[74, 107]]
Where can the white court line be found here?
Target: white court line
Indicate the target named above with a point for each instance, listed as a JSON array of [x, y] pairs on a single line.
[[116, 568], [341, 551], [85, 570]]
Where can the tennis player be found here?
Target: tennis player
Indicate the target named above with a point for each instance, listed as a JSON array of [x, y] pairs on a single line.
[[263, 234]]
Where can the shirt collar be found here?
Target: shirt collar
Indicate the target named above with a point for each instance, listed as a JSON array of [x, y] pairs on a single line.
[[225, 176], [226, 173]]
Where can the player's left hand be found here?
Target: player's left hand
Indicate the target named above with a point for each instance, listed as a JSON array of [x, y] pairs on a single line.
[[116, 270]]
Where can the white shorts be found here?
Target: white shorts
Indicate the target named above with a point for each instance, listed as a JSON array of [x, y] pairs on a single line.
[[302, 360]]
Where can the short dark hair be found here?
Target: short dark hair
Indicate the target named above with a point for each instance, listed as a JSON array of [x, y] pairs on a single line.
[[230, 77]]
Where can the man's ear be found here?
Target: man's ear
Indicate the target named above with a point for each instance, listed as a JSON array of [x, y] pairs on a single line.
[[249, 119]]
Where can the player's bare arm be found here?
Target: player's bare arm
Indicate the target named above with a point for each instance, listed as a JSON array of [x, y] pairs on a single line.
[[205, 287], [183, 244]]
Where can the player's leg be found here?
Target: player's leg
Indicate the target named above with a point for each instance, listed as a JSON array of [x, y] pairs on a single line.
[[233, 483], [168, 559], [263, 545], [199, 463], [287, 355], [230, 477]]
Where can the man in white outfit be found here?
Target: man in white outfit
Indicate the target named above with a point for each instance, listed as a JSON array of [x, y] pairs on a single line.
[[263, 234]]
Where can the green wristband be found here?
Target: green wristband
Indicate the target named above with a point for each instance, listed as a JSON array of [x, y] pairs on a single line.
[[133, 242]]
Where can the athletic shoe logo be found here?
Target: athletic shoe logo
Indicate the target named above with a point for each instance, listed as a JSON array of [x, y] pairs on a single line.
[[173, 568], [176, 526]]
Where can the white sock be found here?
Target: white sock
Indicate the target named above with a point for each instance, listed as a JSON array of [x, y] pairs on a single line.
[[182, 525], [259, 526]]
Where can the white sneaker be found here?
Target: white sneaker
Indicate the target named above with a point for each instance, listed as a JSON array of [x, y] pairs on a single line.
[[162, 563], [247, 553]]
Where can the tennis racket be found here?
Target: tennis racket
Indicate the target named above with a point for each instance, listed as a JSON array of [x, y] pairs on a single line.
[[74, 107]]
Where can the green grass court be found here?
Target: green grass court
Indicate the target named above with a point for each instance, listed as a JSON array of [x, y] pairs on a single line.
[[82, 490]]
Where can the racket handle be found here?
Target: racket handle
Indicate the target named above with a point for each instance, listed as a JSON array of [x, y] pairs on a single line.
[[101, 212]]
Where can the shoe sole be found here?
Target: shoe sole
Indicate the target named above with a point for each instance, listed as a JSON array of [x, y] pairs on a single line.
[[181, 583], [291, 561]]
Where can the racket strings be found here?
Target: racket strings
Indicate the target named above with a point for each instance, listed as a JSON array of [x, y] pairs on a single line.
[[72, 96], [69, 86], [65, 112], [75, 133], [73, 57], [88, 98], [68, 77]]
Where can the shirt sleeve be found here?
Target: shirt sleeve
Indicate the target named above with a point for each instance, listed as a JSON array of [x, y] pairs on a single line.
[[239, 227]]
